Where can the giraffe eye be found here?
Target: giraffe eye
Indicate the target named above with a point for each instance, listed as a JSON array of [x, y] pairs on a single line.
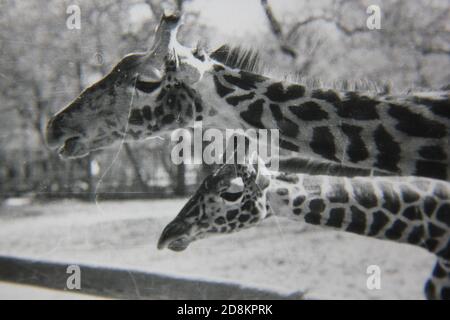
[[234, 191], [231, 196], [146, 86]]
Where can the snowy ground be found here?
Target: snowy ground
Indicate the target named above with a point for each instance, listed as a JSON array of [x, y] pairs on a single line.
[[278, 254]]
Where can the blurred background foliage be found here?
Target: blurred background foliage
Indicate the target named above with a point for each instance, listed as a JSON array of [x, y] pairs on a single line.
[[44, 65]]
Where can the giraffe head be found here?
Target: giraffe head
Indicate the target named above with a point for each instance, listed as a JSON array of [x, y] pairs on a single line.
[[231, 199], [144, 94]]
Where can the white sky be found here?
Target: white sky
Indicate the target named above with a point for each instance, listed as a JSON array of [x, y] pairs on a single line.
[[231, 17]]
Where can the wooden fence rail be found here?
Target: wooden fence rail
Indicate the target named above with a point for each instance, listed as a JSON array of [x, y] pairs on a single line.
[[128, 284]]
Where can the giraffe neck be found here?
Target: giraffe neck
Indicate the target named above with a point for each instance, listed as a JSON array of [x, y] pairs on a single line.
[[405, 209], [405, 135]]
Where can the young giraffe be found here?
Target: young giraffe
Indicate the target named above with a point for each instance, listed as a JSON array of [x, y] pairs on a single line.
[[403, 209], [173, 86]]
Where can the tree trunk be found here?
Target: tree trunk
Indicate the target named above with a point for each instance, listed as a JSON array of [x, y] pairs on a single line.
[[135, 164]]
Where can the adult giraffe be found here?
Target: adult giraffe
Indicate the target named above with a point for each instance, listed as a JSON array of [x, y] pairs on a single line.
[[172, 86]]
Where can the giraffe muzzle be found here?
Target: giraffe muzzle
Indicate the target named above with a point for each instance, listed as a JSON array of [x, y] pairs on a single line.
[[174, 237], [59, 136]]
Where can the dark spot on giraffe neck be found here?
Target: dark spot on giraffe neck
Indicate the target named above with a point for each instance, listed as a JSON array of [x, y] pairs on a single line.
[[251, 78], [415, 124], [277, 93], [389, 150], [440, 107], [430, 290], [322, 143], [357, 221], [439, 271], [431, 169], [431, 244], [288, 146], [276, 112], [356, 149], [380, 219], [434, 231], [432, 153], [221, 90], [416, 235], [412, 213], [239, 82], [395, 232], [235, 100], [326, 95], [443, 214], [309, 111], [287, 127], [316, 207], [312, 218], [336, 217], [429, 204], [445, 253], [253, 114], [357, 107]]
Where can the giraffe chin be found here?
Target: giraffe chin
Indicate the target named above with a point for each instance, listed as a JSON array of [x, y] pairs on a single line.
[[73, 148], [178, 245]]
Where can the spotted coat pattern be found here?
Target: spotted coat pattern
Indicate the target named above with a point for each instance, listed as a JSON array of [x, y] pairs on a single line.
[[411, 210], [406, 135]]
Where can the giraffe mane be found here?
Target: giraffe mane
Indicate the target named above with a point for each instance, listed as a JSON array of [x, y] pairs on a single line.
[[249, 59], [237, 57]]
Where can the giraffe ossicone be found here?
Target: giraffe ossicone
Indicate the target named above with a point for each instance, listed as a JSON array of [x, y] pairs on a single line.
[[410, 210], [172, 86]]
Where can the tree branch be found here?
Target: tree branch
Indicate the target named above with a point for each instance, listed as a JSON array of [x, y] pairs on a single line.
[[277, 31]]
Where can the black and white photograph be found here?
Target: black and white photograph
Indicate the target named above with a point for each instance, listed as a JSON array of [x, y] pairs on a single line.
[[230, 150]]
